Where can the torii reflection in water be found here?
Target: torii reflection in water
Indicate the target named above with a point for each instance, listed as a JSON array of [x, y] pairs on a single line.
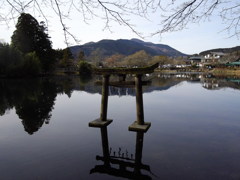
[[124, 162], [139, 126]]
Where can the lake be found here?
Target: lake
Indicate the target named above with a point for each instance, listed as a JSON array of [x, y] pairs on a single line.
[[194, 133]]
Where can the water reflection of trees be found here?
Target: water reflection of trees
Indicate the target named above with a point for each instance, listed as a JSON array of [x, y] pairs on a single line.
[[33, 99], [35, 108]]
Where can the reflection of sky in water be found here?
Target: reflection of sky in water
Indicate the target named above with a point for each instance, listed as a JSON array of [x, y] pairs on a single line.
[[195, 134], [197, 130]]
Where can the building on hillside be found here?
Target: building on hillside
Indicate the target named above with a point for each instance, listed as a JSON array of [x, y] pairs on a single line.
[[213, 57], [196, 60]]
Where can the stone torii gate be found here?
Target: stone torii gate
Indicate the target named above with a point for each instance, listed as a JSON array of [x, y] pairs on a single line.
[[139, 124]]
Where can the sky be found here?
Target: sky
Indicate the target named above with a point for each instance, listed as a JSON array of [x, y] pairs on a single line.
[[195, 38]]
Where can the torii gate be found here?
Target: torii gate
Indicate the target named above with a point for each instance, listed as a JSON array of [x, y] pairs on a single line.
[[139, 124]]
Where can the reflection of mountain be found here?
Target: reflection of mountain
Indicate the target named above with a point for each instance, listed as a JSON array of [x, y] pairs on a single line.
[[157, 84], [160, 83]]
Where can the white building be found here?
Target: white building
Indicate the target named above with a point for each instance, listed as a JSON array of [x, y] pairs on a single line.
[[213, 56]]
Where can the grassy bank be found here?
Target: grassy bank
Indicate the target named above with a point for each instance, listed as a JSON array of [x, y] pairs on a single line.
[[225, 72], [215, 71]]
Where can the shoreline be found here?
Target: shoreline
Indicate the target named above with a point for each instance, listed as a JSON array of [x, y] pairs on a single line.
[[216, 71], [219, 72]]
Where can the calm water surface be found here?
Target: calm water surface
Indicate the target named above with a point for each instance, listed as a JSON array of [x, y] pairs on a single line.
[[194, 133]]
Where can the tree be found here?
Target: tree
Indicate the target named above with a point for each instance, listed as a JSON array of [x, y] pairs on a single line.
[[81, 56], [85, 69], [114, 59], [160, 59], [30, 36], [97, 55], [10, 60], [31, 64], [14, 63], [67, 59], [173, 15], [139, 58]]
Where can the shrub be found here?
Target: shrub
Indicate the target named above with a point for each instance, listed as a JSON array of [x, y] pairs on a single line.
[[31, 64], [13, 63], [10, 60], [85, 68]]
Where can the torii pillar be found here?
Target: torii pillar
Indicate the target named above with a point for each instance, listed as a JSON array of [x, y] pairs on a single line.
[[103, 121], [139, 124]]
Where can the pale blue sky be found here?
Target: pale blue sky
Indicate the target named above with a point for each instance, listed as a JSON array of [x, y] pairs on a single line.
[[194, 39]]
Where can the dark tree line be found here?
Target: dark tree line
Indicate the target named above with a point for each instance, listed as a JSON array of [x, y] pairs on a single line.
[[30, 36], [30, 51]]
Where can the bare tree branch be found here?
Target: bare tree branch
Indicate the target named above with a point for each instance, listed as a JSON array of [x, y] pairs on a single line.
[[186, 13], [174, 15], [231, 16], [117, 16], [65, 28]]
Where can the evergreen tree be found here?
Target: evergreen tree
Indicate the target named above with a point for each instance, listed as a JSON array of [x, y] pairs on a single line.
[[67, 54], [85, 69], [10, 60], [67, 59], [30, 36], [81, 56]]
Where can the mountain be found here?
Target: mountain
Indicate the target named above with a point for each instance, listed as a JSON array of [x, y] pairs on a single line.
[[125, 47], [223, 50]]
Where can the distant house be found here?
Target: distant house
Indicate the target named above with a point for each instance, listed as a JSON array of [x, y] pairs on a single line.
[[213, 57], [196, 60]]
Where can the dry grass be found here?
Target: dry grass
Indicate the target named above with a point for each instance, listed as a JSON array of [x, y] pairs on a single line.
[[226, 72]]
